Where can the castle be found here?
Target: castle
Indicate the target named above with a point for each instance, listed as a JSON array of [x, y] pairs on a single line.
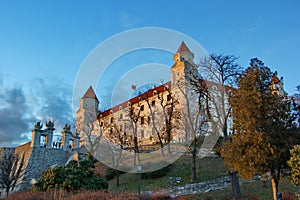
[[157, 101], [157, 116]]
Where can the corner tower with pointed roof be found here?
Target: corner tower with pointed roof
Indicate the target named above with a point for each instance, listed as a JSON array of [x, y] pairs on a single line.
[[88, 110], [184, 67]]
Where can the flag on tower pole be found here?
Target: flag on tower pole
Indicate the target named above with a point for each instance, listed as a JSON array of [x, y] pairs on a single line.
[[133, 87]]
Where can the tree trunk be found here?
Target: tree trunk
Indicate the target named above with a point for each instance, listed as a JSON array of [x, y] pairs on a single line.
[[194, 172], [7, 191], [274, 181], [169, 137], [136, 149], [234, 179], [118, 178], [235, 184]]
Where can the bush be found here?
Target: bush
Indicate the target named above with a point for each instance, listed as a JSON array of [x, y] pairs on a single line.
[[110, 174], [70, 178]]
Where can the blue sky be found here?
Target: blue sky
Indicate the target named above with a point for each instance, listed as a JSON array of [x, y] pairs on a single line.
[[43, 43]]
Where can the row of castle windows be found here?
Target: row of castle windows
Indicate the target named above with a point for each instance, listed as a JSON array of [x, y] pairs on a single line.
[[142, 133], [142, 120], [142, 108]]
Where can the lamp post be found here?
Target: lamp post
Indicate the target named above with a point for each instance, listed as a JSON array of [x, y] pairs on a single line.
[[139, 179]]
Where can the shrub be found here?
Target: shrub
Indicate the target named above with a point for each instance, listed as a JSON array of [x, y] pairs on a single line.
[[110, 174], [70, 178]]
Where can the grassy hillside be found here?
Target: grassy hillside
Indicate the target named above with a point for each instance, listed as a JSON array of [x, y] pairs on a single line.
[[207, 168]]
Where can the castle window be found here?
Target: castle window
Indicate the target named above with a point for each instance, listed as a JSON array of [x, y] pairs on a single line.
[[230, 92], [101, 124], [153, 103], [111, 131], [120, 107], [142, 107], [214, 88], [142, 134], [168, 97], [111, 120], [142, 120], [121, 116], [111, 111]]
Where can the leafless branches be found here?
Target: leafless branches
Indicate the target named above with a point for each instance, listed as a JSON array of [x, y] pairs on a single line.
[[11, 170]]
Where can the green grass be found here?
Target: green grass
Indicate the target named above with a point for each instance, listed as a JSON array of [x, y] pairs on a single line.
[[257, 190], [207, 169]]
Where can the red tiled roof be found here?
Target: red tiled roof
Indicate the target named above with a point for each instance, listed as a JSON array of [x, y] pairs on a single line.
[[183, 48], [90, 94], [150, 93], [136, 99]]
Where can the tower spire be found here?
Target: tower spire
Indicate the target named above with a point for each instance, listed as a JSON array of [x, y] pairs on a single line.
[[90, 94], [183, 48]]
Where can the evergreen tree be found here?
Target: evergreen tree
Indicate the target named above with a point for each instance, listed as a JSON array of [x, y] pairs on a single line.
[[294, 164], [72, 177], [262, 125]]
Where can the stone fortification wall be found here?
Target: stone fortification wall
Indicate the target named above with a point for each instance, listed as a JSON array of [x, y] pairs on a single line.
[[38, 159], [5, 150], [24, 150]]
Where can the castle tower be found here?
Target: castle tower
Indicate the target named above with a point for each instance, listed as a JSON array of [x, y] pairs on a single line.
[[88, 110], [277, 85], [184, 67], [182, 72]]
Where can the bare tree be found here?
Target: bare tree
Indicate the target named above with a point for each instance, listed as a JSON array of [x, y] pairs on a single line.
[[119, 138], [92, 131], [168, 114], [11, 171], [194, 114], [221, 72], [134, 113]]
